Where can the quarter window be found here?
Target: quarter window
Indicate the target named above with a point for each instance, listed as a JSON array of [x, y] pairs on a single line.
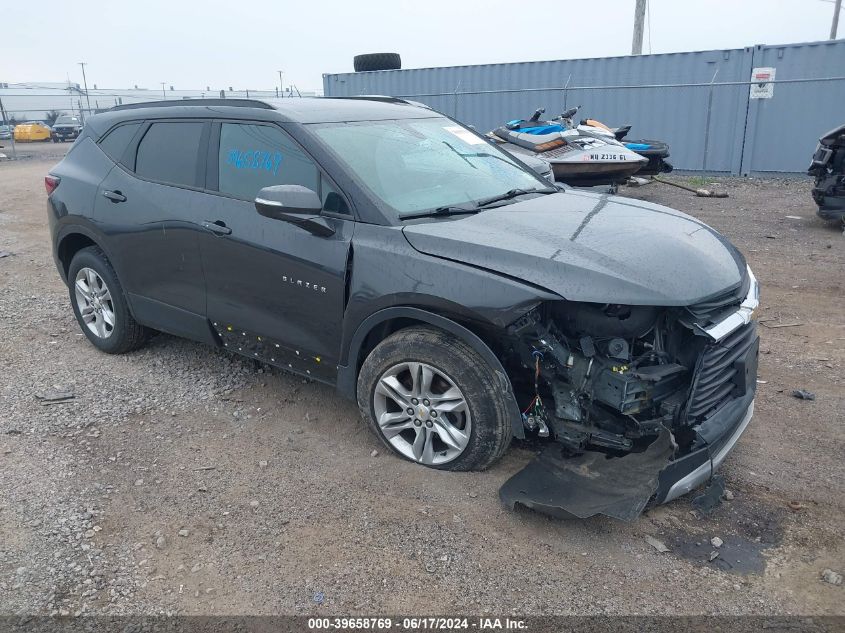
[[169, 152], [256, 156], [332, 200], [116, 141]]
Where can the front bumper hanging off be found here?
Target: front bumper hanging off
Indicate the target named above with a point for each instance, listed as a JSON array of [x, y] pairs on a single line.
[[622, 487], [690, 471]]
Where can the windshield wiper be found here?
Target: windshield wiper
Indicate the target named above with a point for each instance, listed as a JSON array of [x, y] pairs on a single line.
[[509, 195], [439, 211]]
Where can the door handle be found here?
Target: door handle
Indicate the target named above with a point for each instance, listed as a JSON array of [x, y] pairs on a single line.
[[217, 226], [114, 196]]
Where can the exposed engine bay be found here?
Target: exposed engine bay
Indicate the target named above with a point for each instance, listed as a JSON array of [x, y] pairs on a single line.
[[604, 375], [613, 385]]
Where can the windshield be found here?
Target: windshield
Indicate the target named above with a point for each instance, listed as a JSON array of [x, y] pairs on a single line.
[[67, 119], [419, 164]]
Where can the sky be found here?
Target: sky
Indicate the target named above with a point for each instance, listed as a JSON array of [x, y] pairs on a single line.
[[191, 44]]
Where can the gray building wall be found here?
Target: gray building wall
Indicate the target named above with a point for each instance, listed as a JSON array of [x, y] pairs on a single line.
[[698, 102]]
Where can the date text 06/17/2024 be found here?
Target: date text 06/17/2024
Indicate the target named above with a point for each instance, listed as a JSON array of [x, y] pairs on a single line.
[[417, 624]]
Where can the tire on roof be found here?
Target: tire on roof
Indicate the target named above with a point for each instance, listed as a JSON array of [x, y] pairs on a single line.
[[377, 61]]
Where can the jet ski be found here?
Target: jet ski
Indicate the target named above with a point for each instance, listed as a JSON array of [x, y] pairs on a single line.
[[655, 151], [581, 158]]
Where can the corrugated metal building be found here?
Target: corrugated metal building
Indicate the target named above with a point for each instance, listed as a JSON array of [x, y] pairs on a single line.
[[699, 102]]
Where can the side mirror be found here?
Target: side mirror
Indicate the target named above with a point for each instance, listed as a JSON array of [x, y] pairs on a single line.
[[282, 201], [295, 204]]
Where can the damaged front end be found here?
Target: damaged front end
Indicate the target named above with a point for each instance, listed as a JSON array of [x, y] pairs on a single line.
[[642, 403]]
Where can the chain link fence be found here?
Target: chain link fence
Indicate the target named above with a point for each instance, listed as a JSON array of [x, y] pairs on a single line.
[[22, 104]]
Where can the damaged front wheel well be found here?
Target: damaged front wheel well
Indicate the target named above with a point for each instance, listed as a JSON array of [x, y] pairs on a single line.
[[382, 324]]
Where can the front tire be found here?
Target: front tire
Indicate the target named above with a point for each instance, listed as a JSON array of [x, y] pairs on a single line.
[[432, 399], [100, 305]]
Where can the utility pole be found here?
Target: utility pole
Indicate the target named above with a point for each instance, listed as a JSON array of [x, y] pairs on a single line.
[[281, 83], [639, 22], [835, 23], [85, 83], [163, 93]]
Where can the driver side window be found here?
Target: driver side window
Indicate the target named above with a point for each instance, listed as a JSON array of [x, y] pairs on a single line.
[[255, 156]]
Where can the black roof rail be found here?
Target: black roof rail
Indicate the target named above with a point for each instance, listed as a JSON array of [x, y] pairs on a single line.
[[385, 98], [171, 103]]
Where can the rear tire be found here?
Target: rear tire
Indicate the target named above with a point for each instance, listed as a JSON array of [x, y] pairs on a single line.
[[462, 413], [100, 305], [377, 61]]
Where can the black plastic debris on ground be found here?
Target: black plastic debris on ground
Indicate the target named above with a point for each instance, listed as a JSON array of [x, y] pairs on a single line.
[[712, 495], [54, 397], [591, 483], [803, 395]]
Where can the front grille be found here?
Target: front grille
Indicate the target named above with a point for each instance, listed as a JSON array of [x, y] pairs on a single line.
[[717, 377]]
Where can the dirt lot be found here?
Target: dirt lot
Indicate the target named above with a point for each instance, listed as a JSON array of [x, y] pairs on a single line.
[[181, 479]]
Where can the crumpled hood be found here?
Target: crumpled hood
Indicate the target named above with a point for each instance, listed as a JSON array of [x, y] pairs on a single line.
[[590, 247]]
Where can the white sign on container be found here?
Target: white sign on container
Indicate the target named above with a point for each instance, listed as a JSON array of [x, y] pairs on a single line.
[[762, 86]]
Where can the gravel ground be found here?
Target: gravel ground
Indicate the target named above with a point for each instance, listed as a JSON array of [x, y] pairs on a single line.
[[180, 479]]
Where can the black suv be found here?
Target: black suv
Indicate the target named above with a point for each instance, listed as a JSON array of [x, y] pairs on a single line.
[[379, 246], [66, 128]]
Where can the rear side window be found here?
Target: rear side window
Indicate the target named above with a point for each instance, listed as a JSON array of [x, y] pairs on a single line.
[[256, 156], [115, 142], [169, 152]]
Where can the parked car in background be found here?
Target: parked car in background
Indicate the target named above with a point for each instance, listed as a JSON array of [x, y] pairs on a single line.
[[66, 128], [32, 131], [5, 132]]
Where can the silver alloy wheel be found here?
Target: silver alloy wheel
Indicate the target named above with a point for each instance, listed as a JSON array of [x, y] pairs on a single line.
[[422, 413], [94, 301]]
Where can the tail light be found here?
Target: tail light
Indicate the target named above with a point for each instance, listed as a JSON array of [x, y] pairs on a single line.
[[50, 183]]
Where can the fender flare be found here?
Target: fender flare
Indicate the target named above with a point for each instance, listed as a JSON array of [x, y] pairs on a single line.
[[73, 228], [76, 228], [347, 376]]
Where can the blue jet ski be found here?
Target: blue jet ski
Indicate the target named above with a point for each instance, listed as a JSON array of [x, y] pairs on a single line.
[[581, 158]]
